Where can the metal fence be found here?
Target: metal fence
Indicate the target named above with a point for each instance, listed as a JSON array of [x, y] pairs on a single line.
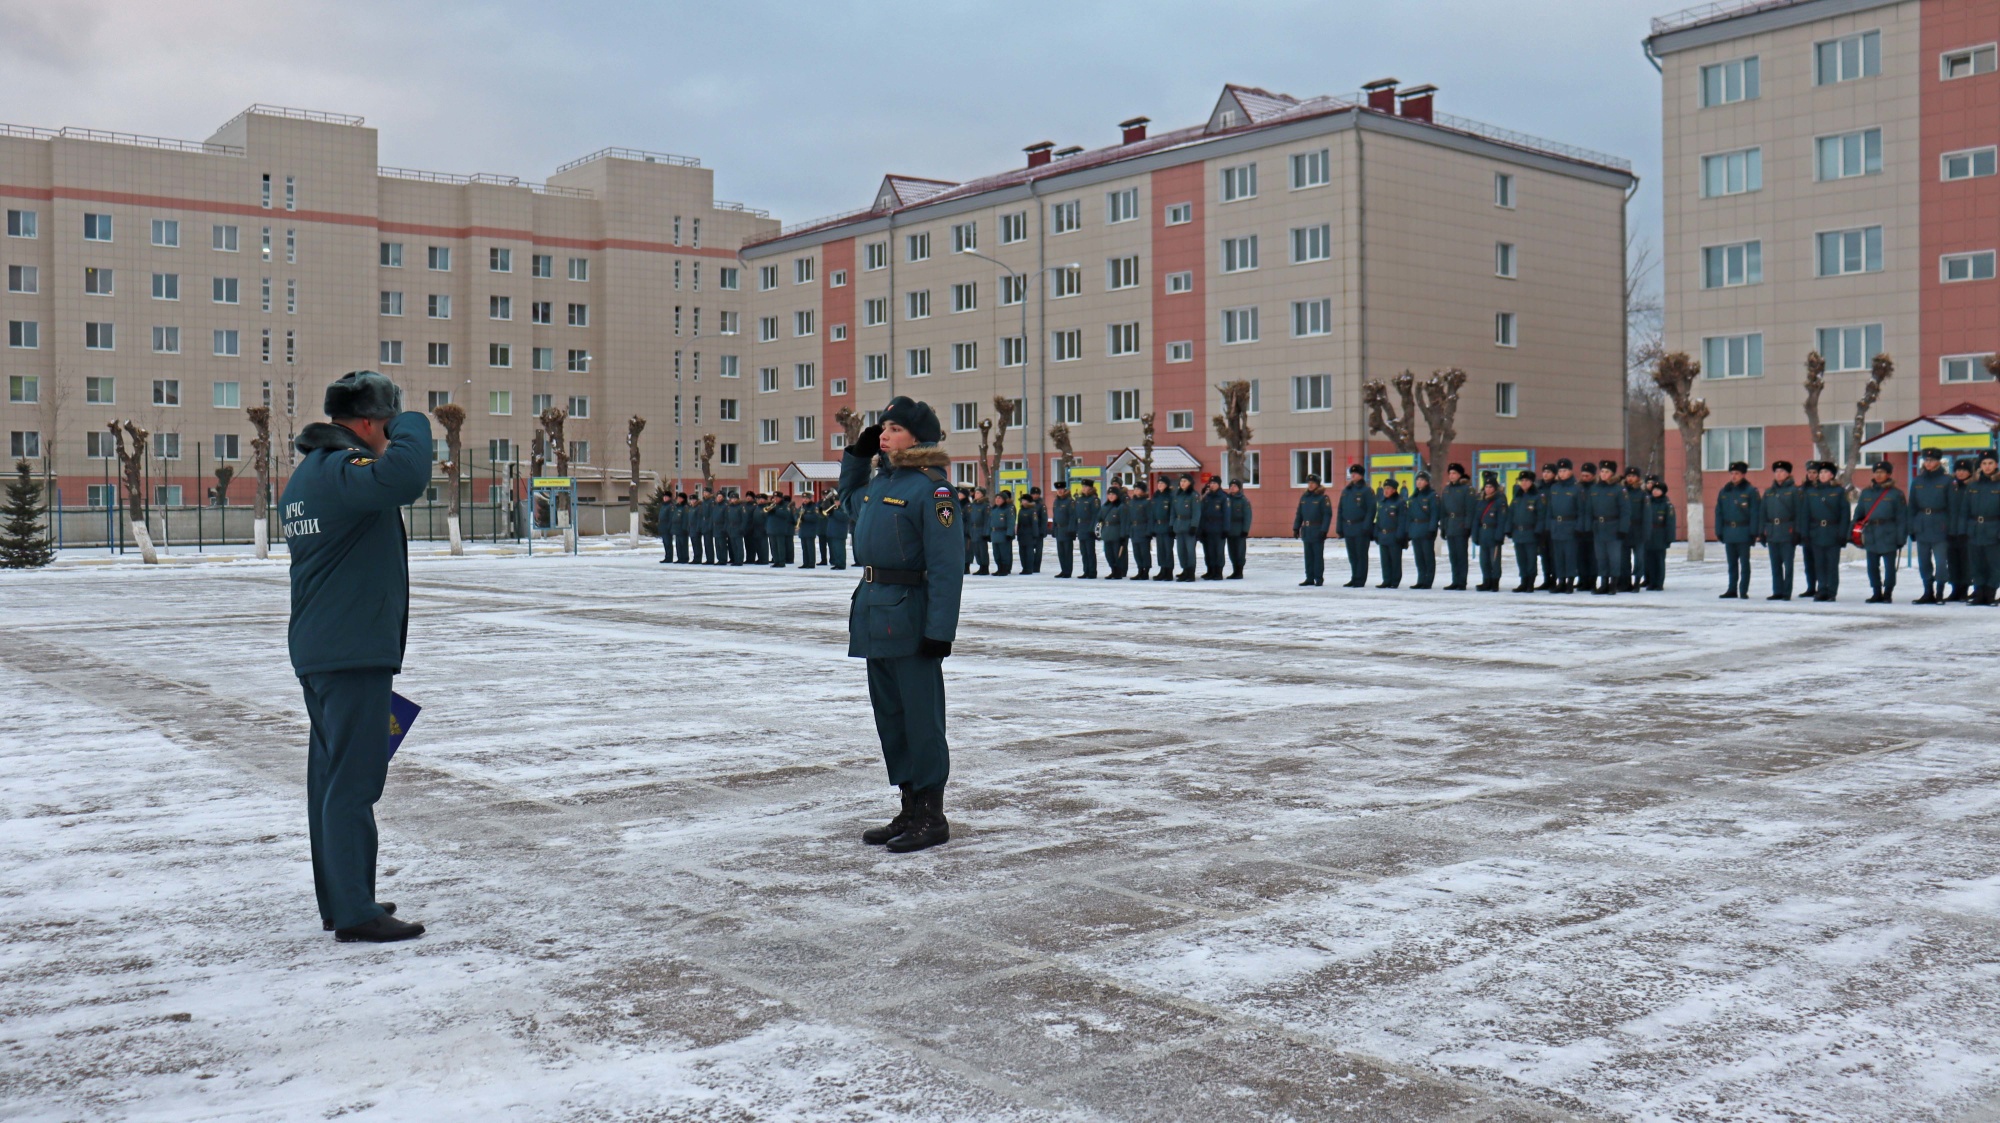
[[182, 528]]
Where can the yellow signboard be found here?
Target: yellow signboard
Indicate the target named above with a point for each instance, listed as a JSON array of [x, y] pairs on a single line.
[[552, 481], [1957, 442], [1399, 466]]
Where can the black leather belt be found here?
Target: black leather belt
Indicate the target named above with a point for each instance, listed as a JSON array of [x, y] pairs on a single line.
[[1930, 511], [874, 575]]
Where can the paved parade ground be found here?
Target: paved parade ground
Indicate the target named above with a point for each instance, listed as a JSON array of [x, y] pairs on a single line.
[[1224, 851]]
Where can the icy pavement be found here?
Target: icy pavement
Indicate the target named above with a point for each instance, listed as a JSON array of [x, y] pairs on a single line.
[[1222, 851]]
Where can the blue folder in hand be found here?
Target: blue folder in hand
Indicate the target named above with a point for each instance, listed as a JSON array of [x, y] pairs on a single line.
[[402, 715]]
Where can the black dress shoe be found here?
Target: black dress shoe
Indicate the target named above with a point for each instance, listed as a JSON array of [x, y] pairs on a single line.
[[388, 907], [1234, 577], [1730, 595], [1305, 583], [1524, 588], [383, 929]]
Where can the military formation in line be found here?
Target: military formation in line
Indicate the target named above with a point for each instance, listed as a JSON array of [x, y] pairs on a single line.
[[753, 529]]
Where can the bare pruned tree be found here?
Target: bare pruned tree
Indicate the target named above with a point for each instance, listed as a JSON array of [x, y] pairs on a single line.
[[1815, 386], [986, 464], [1879, 371], [260, 461], [1675, 375], [850, 422], [1437, 397], [1065, 454], [131, 468], [1005, 408], [1146, 445], [704, 454], [537, 456], [452, 417], [223, 474], [633, 427], [1233, 425], [552, 420], [1384, 418]]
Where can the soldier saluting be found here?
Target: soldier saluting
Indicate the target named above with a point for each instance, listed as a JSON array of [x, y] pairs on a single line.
[[904, 614]]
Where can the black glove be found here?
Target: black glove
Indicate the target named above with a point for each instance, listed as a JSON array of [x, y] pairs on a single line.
[[867, 444], [928, 648]]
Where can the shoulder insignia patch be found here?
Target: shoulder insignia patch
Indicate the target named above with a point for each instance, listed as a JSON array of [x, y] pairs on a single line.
[[894, 502], [362, 461], [946, 511], [942, 492]]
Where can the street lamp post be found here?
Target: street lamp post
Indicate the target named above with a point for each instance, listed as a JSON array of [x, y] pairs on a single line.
[[1024, 339]]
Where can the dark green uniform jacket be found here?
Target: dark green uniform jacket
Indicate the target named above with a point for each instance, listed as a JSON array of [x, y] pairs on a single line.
[[1930, 505], [1065, 513], [1163, 512], [1239, 514], [1425, 513], [1111, 521], [1392, 520], [808, 520], [1357, 510], [1826, 515], [1455, 509], [1186, 508], [1565, 500], [1528, 514], [1779, 523], [1491, 519], [979, 518], [350, 560], [1314, 516], [1661, 522], [1736, 513], [1000, 522], [1606, 511], [835, 515], [1884, 518], [1980, 520], [1086, 514], [905, 518], [1033, 523], [779, 519], [1138, 516]]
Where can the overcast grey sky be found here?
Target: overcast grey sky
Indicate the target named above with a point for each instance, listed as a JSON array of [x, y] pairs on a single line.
[[801, 107]]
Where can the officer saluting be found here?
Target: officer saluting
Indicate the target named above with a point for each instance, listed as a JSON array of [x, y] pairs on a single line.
[[350, 619], [905, 612]]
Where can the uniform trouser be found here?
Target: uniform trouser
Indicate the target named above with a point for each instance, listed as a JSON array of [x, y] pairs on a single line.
[[1065, 553], [739, 548], [783, 553], [1031, 554], [1609, 548], [836, 550], [1527, 553], [808, 549], [1392, 563], [1931, 565], [1653, 566], [1213, 546], [1565, 550], [1781, 567], [1142, 553], [1983, 565], [1424, 549], [1315, 556], [1163, 551], [666, 547], [907, 695], [1357, 558], [1489, 566], [347, 760], [1184, 551], [683, 548], [1586, 560], [1738, 555], [1003, 555], [1958, 559], [981, 554], [1546, 548], [1089, 552], [1809, 561], [1115, 557], [756, 546], [1882, 570], [699, 546], [1826, 560], [1628, 561], [1455, 555], [1239, 551]]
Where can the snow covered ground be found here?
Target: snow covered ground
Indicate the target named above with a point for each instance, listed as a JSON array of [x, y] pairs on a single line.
[[1222, 851]]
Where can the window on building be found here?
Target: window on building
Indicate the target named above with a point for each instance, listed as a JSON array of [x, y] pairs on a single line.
[[439, 354], [1312, 317], [1013, 228], [499, 450], [805, 376], [1239, 182], [1733, 356], [579, 315], [767, 329], [499, 307], [1180, 351], [965, 297], [964, 357], [1732, 173], [1239, 325], [98, 282], [1966, 63], [224, 290], [1850, 347], [1503, 190], [579, 269], [1842, 252], [1065, 218], [166, 340], [227, 395], [1013, 289], [1122, 339], [1849, 154], [1066, 346], [1311, 169], [438, 258], [964, 417], [917, 247], [875, 311], [1066, 409], [1180, 421], [167, 446], [1066, 282], [805, 428], [390, 303], [1239, 254], [767, 380], [390, 352], [1121, 206], [100, 336], [1847, 58], [802, 323], [100, 391], [1312, 393], [500, 403], [964, 237], [917, 305], [875, 255], [166, 286], [767, 430], [1971, 163], [24, 444], [1122, 272], [96, 227], [499, 355], [1013, 350], [1976, 266], [228, 446], [499, 260], [1504, 263], [166, 232], [24, 389], [917, 362], [1312, 243], [24, 334], [578, 361], [1727, 445], [876, 369], [541, 312], [1964, 368], [1727, 82], [1316, 463], [21, 224], [438, 306], [390, 255], [1180, 214], [28, 279], [1121, 405], [1732, 265], [802, 270], [1504, 329]]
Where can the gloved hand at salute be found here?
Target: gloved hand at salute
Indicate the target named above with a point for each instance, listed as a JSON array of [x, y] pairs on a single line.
[[868, 443]]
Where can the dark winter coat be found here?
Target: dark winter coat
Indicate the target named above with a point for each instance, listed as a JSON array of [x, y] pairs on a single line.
[[1455, 509], [1930, 505], [1356, 514], [904, 519], [1424, 513], [1527, 514], [1239, 514], [1736, 513], [1314, 516], [1884, 518]]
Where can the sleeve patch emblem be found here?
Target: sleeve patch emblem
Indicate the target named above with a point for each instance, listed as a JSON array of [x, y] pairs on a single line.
[[946, 512], [362, 461], [942, 492]]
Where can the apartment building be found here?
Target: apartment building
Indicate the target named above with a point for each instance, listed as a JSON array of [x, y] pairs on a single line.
[[1306, 245], [1829, 185], [175, 283]]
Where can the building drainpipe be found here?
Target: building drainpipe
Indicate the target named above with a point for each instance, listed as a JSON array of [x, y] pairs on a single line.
[[1625, 334], [1361, 290], [1041, 331], [890, 248]]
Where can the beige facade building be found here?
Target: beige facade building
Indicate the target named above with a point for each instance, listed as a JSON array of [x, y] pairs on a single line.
[[1306, 245], [1829, 185]]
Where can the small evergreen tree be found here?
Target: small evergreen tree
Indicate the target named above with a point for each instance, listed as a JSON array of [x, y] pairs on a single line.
[[650, 525], [22, 543]]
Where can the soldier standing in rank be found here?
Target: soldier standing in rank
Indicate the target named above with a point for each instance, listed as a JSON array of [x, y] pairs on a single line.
[[665, 520], [1808, 564], [683, 528], [834, 525], [1185, 515], [756, 530], [1391, 532], [964, 497], [979, 521], [1658, 536], [1240, 515], [1527, 519], [1063, 519], [1778, 525], [1736, 521], [1139, 530], [1214, 529], [807, 521], [1633, 536], [1160, 511], [697, 526], [1032, 526], [1827, 530], [1309, 525], [718, 553], [1566, 514], [778, 520], [350, 580], [1424, 519], [1112, 531], [1980, 516], [1930, 521], [1547, 476], [1455, 520], [1490, 525], [1607, 522], [1957, 538], [1353, 523], [904, 614], [1882, 522], [1087, 506], [1000, 527]]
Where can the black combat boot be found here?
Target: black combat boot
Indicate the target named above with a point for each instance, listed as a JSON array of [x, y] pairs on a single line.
[[388, 907], [876, 836], [1524, 587], [927, 825], [384, 929], [1730, 595]]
